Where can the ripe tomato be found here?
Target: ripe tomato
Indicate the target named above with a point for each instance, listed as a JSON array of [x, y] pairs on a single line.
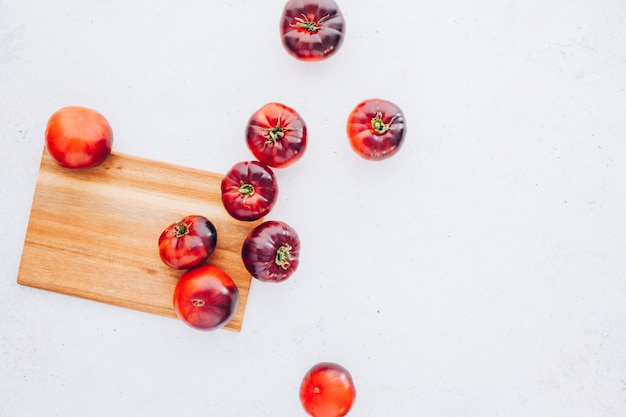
[[271, 251], [376, 129], [78, 137], [276, 135], [249, 190], [312, 30], [187, 243], [205, 297], [327, 390]]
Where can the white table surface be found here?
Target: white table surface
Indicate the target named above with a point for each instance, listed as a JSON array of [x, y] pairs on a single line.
[[480, 272]]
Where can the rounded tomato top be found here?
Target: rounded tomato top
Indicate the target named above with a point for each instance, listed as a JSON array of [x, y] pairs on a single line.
[[78, 137], [376, 129], [312, 30], [327, 390], [276, 135]]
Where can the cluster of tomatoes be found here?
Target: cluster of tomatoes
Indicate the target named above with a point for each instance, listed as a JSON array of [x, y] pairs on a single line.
[[205, 296]]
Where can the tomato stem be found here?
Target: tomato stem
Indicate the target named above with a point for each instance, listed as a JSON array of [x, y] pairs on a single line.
[[309, 24], [245, 189], [379, 125], [275, 133], [181, 229], [283, 256]]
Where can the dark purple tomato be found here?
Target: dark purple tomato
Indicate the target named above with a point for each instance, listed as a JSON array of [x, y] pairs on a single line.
[[312, 30], [271, 252]]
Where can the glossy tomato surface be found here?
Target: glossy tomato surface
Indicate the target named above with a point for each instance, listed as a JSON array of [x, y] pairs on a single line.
[[188, 242], [312, 30], [327, 390], [276, 135], [376, 129], [271, 252], [205, 297], [249, 190], [78, 137]]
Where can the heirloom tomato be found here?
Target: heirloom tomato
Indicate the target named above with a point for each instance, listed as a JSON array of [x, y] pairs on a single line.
[[78, 137], [276, 135], [187, 243], [249, 190], [327, 390], [205, 297], [312, 30], [376, 129], [271, 251]]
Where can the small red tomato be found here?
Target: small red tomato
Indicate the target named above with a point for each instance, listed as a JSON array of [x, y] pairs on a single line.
[[312, 30], [205, 297], [78, 137], [327, 390], [376, 129], [187, 243], [249, 190], [271, 251], [276, 135]]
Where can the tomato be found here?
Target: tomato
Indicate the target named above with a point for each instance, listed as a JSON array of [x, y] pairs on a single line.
[[249, 190], [205, 297], [78, 137], [188, 242], [276, 135], [376, 129], [312, 30], [327, 390], [271, 251]]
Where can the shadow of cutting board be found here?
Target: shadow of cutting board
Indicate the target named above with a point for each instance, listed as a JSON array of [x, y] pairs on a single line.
[[94, 233]]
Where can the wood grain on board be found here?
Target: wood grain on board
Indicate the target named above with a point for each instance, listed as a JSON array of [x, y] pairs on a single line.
[[93, 233]]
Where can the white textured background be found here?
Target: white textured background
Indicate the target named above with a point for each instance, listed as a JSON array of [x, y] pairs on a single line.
[[480, 272]]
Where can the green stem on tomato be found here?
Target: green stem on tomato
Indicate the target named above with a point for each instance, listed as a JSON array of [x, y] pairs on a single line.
[[245, 189], [309, 24], [379, 125], [275, 133], [181, 229], [283, 256]]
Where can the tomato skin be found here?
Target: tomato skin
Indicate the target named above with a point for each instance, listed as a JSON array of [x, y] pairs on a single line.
[[376, 129], [271, 252], [327, 390], [249, 190], [312, 30], [78, 137], [276, 135], [188, 242], [205, 298]]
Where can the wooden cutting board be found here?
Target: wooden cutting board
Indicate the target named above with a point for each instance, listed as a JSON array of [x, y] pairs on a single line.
[[94, 233]]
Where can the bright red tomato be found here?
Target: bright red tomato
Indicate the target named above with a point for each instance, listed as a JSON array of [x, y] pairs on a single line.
[[249, 190], [376, 129], [327, 390], [271, 251], [312, 30], [205, 297], [276, 135], [78, 137], [187, 243]]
